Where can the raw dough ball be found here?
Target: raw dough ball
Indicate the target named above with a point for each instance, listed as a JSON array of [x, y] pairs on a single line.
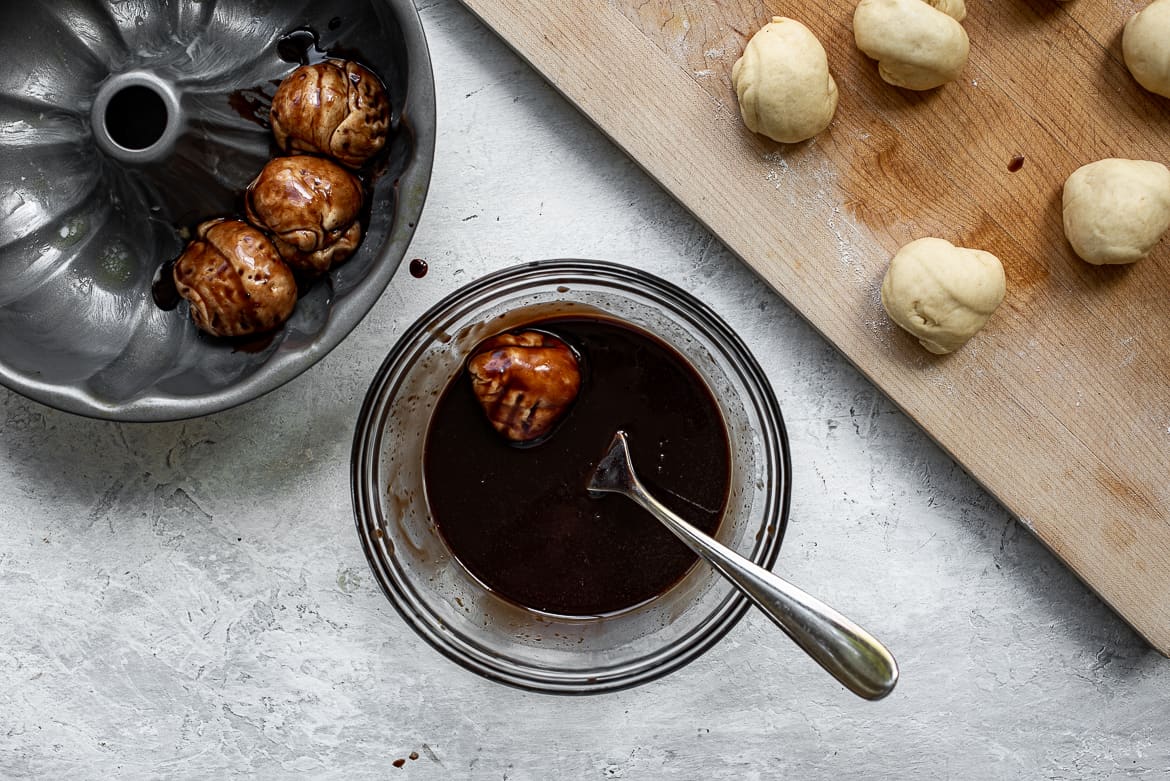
[[1146, 47], [783, 82], [310, 205], [1115, 211], [234, 280], [941, 293], [335, 108], [919, 44]]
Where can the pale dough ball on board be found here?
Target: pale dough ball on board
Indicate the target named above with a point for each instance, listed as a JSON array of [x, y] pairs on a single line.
[[1115, 211], [919, 45], [941, 293], [1145, 44], [783, 82]]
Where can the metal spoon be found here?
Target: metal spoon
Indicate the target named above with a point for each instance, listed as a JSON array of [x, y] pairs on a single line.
[[845, 650]]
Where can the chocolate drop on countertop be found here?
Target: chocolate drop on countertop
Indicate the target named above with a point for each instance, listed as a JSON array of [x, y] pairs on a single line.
[[520, 519], [1016, 163], [418, 268]]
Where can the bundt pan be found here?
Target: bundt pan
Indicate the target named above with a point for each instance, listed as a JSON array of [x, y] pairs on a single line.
[[123, 124]]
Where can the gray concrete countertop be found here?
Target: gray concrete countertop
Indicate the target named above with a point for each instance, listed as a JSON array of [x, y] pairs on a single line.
[[189, 599]]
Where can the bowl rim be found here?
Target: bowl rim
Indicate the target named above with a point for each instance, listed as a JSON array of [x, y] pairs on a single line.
[[400, 591], [419, 116]]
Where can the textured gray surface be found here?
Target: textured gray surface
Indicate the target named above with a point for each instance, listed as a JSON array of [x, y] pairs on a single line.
[[189, 600]]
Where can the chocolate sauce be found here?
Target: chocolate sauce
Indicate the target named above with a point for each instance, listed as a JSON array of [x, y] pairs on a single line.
[[300, 47], [252, 104], [303, 47], [255, 343], [520, 519], [418, 268], [163, 289], [251, 343]]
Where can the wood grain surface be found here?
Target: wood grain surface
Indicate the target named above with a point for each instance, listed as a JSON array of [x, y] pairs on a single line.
[[1061, 405]]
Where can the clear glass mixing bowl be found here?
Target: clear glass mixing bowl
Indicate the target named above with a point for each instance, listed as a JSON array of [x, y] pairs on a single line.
[[450, 608]]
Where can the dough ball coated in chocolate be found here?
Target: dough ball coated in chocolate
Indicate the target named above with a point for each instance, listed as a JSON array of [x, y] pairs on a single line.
[[335, 108], [525, 381], [310, 206], [234, 279]]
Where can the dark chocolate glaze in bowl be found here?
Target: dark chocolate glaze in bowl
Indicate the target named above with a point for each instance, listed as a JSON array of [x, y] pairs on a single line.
[[521, 520]]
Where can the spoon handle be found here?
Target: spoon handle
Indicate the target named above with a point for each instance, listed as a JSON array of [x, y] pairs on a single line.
[[845, 650]]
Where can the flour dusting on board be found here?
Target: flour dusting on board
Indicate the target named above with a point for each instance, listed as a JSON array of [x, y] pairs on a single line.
[[854, 246], [1130, 354], [825, 207], [675, 31]]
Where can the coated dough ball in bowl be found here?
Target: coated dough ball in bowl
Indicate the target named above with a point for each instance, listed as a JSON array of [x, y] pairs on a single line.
[[941, 293], [919, 44], [1145, 45], [1115, 210], [234, 280], [783, 83]]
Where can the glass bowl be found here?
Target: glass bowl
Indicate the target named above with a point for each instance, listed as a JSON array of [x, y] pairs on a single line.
[[449, 607], [126, 123]]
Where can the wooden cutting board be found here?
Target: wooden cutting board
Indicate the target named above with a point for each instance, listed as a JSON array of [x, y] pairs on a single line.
[[1061, 405]]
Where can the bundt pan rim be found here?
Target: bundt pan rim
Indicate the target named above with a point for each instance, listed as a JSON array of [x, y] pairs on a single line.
[[345, 310]]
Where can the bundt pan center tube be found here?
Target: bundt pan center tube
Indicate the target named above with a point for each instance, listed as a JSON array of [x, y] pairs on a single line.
[[130, 123], [136, 118]]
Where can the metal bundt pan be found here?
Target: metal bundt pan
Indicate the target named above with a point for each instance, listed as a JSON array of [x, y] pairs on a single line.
[[85, 222]]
